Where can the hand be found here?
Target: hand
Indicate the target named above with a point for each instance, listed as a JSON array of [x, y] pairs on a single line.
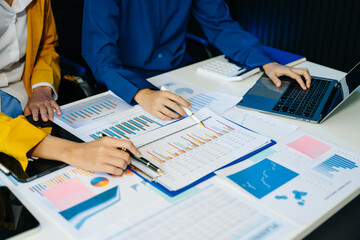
[[162, 104], [42, 101], [100, 155], [275, 70], [103, 155]]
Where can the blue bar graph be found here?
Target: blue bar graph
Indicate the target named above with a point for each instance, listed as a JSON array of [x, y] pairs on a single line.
[[334, 165], [127, 128], [200, 101], [85, 112]]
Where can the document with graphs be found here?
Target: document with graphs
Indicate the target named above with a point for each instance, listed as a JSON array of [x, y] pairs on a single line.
[[302, 178], [107, 114], [187, 152]]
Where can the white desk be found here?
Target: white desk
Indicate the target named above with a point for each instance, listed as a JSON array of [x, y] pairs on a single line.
[[340, 129]]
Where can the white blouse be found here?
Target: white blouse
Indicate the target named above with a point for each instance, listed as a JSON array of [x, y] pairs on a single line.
[[13, 38]]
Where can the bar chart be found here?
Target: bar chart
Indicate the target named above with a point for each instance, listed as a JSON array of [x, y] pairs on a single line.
[[59, 179], [201, 100], [84, 113], [333, 165], [127, 128], [189, 141], [186, 151]]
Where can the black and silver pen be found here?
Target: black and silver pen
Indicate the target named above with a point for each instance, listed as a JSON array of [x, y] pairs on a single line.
[[142, 160]]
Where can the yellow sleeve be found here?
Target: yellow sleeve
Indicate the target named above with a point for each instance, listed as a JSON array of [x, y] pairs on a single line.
[[18, 137], [46, 68]]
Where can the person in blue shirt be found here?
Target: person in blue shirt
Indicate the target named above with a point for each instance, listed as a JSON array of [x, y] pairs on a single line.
[[126, 41]]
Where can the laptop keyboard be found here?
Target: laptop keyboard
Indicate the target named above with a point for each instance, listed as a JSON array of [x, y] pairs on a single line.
[[299, 102]]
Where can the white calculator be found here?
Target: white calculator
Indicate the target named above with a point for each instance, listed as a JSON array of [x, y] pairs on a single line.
[[225, 70]]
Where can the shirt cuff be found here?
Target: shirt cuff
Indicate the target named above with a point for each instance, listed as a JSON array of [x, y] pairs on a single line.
[[54, 94]]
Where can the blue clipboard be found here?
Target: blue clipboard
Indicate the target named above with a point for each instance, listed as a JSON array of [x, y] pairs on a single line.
[[174, 193]]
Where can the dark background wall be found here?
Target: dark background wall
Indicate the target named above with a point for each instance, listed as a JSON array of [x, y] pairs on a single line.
[[325, 31], [68, 19]]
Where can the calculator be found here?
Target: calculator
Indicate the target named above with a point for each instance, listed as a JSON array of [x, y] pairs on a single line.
[[225, 70]]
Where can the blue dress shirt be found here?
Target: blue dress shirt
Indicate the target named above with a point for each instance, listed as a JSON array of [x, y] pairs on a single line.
[[122, 36], [9, 105]]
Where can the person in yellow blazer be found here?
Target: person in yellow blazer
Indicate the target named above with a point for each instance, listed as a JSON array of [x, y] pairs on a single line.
[[42, 61], [20, 139]]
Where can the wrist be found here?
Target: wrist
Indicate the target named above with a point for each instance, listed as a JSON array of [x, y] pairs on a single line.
[[267, 65], [46, 89], [139, 96]]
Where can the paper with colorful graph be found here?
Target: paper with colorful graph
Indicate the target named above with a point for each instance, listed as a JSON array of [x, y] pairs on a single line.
[[301, 178]]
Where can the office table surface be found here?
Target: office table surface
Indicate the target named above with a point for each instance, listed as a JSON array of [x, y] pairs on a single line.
[[341, 128]]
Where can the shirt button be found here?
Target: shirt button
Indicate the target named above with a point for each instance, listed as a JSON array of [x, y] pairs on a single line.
[[160, 55]]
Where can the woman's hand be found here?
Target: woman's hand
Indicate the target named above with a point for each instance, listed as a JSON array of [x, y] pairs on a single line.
[[102, 155]]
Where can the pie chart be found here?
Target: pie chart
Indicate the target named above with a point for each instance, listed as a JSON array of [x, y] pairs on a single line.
[[184, 90], [99, 181]]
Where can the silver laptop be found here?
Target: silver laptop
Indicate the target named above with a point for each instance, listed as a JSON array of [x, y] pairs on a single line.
[[314, 104]]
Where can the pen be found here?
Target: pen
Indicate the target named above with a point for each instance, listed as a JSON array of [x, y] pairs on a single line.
[[144, 174], [142, 160], [188, 112]]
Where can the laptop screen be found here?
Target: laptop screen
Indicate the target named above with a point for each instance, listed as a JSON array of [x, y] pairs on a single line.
[[345, 88]]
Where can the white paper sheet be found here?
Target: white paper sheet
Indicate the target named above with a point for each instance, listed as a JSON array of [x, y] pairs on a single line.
[[197, 96], [295, 183], [214, 212], [119, 121], [260, 123], [84, 203], [186, 152]]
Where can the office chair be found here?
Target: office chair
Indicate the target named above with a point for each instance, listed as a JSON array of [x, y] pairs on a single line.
[[77, 80], [197, 46]]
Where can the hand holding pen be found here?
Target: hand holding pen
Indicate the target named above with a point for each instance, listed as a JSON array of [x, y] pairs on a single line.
[[101, 155], [187, 111], [135, 154]]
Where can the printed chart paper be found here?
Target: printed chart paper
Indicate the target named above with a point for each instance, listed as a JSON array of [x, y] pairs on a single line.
[[298, 185], [214, 212], [261, 123], [107, 114], [186, 152], [197, 96], [85, 203]]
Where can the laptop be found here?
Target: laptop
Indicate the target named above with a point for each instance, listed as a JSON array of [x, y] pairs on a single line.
[[313, 105]]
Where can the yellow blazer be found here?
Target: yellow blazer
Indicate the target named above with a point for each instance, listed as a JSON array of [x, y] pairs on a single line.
[[17, 137], [41, 61]]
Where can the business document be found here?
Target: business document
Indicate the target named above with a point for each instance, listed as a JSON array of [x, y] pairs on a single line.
[[186, 151]]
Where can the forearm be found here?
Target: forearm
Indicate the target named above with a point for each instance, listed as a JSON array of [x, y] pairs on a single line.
[[54, 148], [101, 155]]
